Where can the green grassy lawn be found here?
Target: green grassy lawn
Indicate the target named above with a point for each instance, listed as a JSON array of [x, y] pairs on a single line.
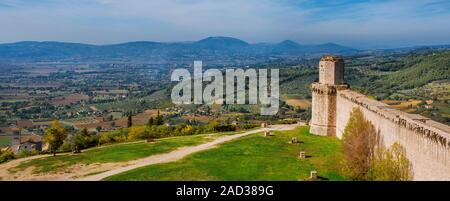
[[5, 141], [252, 157], [114, 153]]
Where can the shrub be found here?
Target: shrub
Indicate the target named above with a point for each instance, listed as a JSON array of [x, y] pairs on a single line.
[[119, 135], [6, 156], [105, 138], [187, 130], [287, 121], [248, 126], [26, 153], [359, 141], [390, 164], [66, 146], [78, 142], [91, 140], [365, 158], [224, 128], [161, 131], [138, 132]]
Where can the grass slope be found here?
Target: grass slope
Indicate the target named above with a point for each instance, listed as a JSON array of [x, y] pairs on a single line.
[[252, 157], [113, 153]]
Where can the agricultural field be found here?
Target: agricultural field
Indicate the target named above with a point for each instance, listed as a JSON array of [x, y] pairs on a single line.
[[438, 90], [5, 140], [156, 100], [200, 118], [118, 120], [253, 157], [299, 103], [406, 106], [68, 99]]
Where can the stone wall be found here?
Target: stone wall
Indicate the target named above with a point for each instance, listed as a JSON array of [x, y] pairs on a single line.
[[427, 142], [323, 121], [331, 70]]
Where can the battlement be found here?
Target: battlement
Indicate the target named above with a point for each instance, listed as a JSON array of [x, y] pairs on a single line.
[[331, 70], [426, 142], [433, 130], [331, 58], [327, 89]]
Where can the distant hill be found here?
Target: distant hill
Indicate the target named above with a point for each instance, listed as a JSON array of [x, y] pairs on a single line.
[[221, 48], [221, 43], [380, 76], [426, 68]]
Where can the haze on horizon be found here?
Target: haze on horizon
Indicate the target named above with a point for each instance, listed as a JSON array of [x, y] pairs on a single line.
[[356, 23]]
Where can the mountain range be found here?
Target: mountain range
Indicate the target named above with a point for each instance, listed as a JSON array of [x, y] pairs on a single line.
[[223, 48]]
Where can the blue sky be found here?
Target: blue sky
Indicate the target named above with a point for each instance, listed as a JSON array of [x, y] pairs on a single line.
[[356, 23]]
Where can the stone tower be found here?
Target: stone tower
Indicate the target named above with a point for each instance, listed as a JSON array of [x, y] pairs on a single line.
[[15, 137], [331, 79]]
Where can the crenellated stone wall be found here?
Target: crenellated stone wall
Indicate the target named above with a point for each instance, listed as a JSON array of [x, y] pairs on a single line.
[[323, 121], [427, 142], [331, 79]]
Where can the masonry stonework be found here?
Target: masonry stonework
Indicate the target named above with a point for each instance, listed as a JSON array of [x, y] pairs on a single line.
[[427, 142], [331, 79]]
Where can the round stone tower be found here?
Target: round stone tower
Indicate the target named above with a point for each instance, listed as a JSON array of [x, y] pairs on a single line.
[[331, 79]]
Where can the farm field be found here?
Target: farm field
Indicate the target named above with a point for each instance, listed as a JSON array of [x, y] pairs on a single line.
[[69, 99], [301, 103], [406, 106], [138, 119], [5, 140], [253, 157], [437, 110], [154, 100]]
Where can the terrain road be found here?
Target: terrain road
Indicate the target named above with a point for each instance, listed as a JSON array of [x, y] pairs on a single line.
[[181, 153]]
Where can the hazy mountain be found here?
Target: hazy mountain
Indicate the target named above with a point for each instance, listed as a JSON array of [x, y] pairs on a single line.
[[211, 47], [221, 43]]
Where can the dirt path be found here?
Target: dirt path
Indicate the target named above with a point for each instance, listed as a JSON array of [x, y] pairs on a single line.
[[179, 154]]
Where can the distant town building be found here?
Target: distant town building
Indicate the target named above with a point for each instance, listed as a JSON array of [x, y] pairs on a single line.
[[30, 142]]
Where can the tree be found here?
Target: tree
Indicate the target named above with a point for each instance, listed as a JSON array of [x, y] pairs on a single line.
[[159, 119], [151, 121], [359, 141], [55, 136], [84, 132], [98, 128], [390, 164], [130, 121], [365, 157], [78, 142]]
